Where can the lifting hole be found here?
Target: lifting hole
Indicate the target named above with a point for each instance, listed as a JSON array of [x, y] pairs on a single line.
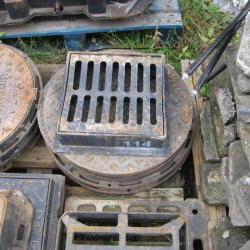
[[197, 244], [194, 211], [20, 232]]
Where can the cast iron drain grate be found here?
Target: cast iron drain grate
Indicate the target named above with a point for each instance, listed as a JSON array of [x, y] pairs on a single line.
[[114, 100]]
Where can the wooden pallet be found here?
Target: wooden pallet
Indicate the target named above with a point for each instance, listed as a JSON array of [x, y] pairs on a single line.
[[217, 213], [162, 15]]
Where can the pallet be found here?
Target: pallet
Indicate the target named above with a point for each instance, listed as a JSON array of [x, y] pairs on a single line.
[[162, 15]]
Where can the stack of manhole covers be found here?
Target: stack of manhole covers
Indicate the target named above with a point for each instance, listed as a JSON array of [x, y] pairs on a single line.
[[20, 84], [117, 122]]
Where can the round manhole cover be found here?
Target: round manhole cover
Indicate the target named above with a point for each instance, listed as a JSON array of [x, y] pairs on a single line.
[[17, 91]]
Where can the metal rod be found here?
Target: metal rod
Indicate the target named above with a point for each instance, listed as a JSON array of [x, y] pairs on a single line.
[[214, 61], [214, 74]]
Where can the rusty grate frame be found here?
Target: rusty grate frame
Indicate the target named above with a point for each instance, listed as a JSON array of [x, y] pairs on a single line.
[[169, 225], [113, 100]]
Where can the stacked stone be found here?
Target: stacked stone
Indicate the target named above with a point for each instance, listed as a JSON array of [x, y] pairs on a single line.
[[225, 127]]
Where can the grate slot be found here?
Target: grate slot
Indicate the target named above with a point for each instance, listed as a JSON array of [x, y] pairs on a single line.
[[115, 74], [112, 111], [72, 108], [153, 119], [103, 239], [99, 108], [90, 74], [139, 113], [127, 83], [102, 77], [152, 78], [85, 110], [77, 75], [126, 106], [140, 78], [148, 240]]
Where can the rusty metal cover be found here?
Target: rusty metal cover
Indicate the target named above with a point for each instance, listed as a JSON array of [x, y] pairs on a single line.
[[165, 226], [122, 174], [17, 91], [34, 203], [20, 85], [113, 101]]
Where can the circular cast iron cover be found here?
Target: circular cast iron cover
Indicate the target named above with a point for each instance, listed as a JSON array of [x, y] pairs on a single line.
[[17, 91]]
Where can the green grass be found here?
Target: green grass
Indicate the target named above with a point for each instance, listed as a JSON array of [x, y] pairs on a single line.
[[42, 50], [202, 23]]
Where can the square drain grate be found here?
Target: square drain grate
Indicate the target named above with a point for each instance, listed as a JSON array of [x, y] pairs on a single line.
[[113, 100]]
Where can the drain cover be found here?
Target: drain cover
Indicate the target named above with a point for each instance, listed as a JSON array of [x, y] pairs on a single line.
[[19, 92], [121, 173], [113, 101]]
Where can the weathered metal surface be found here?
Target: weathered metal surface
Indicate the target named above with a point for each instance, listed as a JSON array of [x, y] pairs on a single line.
[[45, 193], [122, 185], [91, 202], [169, 225], [122, 174], [18, 12], [18, 91], [113, 101], [16, 220], [20, 88]]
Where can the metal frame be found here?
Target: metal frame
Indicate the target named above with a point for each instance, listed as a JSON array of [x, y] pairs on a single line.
[[184, 222], [46, 195], [91, 135]]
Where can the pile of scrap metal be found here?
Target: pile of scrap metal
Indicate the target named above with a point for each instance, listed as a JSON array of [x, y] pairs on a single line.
[[116, 122], [18, 12], [225, 128]]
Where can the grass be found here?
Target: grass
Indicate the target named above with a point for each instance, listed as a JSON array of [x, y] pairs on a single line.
[[202, 23]]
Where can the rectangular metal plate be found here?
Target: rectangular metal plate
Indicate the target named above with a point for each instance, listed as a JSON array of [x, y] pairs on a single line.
[[115, 97], [45, 192]]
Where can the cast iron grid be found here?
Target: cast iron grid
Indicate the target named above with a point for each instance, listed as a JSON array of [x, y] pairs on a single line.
[[164, 225], [118, 95]]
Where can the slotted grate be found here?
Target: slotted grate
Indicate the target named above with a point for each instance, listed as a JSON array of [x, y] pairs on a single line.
[[116, 96]]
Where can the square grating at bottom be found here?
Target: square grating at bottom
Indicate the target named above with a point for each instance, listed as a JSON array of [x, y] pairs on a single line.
[[113, 100]]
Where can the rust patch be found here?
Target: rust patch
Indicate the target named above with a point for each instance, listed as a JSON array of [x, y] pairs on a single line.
[[17, 90]]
